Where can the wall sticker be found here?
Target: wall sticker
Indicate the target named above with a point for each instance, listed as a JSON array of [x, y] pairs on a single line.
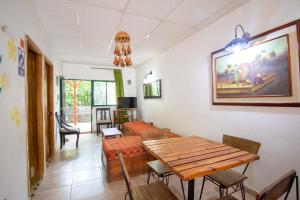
[[15, 116], [21, 62], [11, 50]]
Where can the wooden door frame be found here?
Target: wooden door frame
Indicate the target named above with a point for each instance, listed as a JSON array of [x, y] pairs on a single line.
[[50, 104], [30, 45]]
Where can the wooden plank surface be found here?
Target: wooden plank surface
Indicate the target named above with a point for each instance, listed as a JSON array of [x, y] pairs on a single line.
[[192, 157]]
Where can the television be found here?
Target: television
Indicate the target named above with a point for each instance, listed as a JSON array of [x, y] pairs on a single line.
[[127, 102]]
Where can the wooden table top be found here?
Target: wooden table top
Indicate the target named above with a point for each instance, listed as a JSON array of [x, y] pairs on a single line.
[[192, 157]]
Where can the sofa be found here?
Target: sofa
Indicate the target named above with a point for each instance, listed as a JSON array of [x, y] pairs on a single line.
[[131, 147]]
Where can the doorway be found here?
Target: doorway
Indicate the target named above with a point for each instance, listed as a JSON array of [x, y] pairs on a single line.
[[35, 143], [77, 100], [49, 109]]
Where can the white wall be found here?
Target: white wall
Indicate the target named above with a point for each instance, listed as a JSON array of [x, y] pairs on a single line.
[[186, 106], [88, 72], [20, 18]]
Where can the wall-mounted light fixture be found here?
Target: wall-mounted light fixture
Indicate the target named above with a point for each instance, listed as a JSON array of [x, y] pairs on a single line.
[[238, 43], [148, 77], [3, 27]]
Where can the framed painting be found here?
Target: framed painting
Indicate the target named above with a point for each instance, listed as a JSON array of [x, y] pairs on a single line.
[[264, 74]]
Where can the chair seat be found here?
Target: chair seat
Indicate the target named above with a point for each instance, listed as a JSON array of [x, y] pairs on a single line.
[[158, 167], [104, 121], [228, 197], [228, 178], [157, 191], [69, 130]]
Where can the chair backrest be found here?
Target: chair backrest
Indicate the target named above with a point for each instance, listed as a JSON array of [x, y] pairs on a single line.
[[126, 176], [58, 118], [279, 188], [103, 114], [241, 143]]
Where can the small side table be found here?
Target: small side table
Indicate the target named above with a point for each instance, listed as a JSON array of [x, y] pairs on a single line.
[[110, 133]]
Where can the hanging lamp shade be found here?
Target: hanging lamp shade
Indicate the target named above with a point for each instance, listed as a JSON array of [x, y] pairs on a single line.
[[122, 50]]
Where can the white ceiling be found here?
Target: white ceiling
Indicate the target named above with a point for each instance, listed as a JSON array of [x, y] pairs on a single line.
[[85, 38]]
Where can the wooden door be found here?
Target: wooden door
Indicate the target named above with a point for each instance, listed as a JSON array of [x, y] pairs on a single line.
[[49, 122], [32, 115], [35, 136]]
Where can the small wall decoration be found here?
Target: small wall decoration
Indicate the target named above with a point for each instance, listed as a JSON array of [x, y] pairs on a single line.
[[1, 58], [11, 50], [266, 73], [15, 116], [21, 62], [3, 82]]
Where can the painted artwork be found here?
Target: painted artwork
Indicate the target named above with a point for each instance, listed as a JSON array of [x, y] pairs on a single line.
[[11, 50], [21, 62], [262, 70]]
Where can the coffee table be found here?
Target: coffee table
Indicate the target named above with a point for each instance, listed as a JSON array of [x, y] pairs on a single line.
[[110, 133]]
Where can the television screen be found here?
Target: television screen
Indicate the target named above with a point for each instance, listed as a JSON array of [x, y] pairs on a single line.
[[127, 102]]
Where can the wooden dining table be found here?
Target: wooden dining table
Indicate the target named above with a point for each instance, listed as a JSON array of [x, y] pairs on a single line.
[[193, 157]]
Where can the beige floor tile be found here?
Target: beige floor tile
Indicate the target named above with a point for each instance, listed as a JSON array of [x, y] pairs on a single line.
[[56, 181], [88, 190], [63, 193], [87, 175]]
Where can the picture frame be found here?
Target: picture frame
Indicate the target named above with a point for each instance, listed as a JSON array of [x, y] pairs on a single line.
[[264, 74], [152, 90]]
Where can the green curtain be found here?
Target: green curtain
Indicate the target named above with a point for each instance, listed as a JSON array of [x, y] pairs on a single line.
[[120, 93], [119, 83]]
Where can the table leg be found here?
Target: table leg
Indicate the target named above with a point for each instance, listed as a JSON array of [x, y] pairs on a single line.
[[191, 188]]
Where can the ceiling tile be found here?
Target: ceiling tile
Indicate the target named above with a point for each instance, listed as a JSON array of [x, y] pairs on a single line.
[[140, 54], [115, 4], [137, 27], [194, 12], [156, 9], [65, 44], [165, 34], [97, 22], [58, 17]]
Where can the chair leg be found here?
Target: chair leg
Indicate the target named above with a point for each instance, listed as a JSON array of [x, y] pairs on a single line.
[[243, 191], [182, 189], [61, 138], [77, 140], [297, 188], [149, 174], [202, 187], [64, 139], [221, 191]]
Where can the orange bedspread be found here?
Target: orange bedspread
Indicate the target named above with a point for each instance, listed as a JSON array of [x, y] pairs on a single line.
[[129, 146], [137, 127]]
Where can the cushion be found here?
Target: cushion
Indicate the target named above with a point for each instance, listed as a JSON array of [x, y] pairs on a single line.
[[129, 146], [69, 129]]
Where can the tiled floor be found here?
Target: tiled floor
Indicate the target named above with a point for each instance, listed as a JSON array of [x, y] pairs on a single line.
[[77, 174]]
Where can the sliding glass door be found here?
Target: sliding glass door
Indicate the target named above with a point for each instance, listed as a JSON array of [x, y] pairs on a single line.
[[80, 98]]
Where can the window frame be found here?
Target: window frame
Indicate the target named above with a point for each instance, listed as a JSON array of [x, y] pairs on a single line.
[[93, 84]]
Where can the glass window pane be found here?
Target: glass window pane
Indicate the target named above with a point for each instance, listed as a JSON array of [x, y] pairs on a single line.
[[99, 93], [111, 93]]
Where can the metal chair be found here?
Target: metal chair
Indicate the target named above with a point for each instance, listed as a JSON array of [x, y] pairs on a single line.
[[103, 117], [276, 190], [162, 171], [230, 178], [66, 129], [157, 190]]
